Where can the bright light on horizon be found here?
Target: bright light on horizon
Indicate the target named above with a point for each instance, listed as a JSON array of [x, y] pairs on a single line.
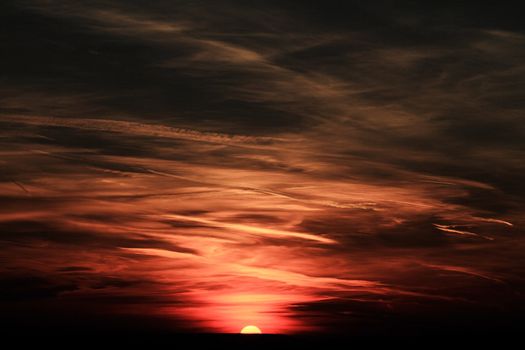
[[251, 330]]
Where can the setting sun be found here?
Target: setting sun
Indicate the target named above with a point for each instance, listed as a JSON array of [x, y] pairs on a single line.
[[251, 330]]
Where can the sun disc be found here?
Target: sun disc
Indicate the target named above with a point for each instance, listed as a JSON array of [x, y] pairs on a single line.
[[251, 330]]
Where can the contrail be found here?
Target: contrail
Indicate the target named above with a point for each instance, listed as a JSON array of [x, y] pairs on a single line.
[[154, 130]]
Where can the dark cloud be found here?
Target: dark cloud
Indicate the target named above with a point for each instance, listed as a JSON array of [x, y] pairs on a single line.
[[27, 231], [31, 287], [74, 269], [304, 165]]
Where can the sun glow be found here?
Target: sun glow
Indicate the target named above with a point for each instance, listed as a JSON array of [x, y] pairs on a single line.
[[251, 330]]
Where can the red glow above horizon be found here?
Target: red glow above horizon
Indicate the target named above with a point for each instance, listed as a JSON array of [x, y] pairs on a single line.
[[222, 246]]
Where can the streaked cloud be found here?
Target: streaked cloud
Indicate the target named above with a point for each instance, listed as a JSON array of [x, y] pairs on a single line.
[[340, 166]]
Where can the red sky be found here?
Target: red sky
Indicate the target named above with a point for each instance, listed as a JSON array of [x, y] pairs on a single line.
[[203, 167]]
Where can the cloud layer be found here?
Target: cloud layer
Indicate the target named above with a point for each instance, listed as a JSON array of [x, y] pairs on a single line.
[[206, 165]]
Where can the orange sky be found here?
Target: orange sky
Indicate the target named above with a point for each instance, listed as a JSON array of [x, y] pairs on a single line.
[[290, 172]]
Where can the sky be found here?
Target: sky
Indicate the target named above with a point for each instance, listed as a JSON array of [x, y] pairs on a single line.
[[308, 167]]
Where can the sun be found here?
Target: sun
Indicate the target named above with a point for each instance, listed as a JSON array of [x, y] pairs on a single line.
[[251, 330]]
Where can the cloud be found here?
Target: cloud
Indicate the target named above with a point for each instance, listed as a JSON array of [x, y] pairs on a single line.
[[139, 129], [305, 166]]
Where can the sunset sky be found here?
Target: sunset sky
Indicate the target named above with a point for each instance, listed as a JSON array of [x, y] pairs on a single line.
[[307, 167]]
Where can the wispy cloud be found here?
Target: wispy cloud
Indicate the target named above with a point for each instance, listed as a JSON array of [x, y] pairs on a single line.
[[279, 164]]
